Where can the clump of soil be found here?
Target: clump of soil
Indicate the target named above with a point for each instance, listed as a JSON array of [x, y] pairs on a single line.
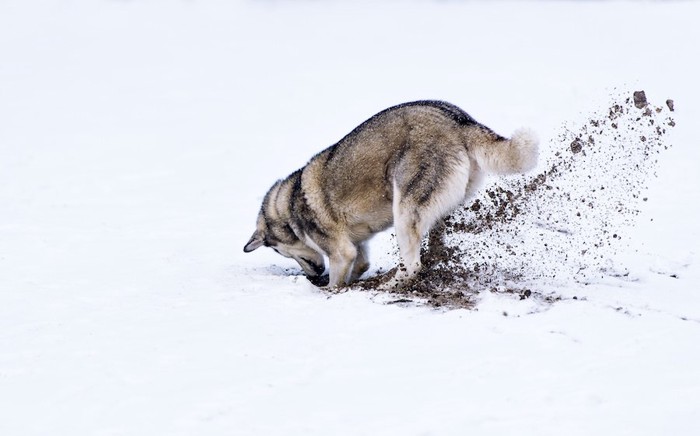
[[559, 225]]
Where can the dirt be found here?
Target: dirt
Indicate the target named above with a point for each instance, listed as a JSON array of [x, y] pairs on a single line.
[[561, 224], [640, 99]]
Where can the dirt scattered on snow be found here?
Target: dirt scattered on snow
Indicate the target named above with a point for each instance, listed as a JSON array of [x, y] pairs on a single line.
[[561, 224]]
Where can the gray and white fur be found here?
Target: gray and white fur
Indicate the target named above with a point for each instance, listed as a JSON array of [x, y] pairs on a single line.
[[407, 166]]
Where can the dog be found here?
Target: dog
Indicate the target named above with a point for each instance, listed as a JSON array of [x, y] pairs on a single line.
[[408, 165]]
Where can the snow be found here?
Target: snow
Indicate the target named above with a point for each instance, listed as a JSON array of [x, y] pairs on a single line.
[[137, 141]]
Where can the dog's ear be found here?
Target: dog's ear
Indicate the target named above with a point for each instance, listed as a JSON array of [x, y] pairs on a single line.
[[256, 241]]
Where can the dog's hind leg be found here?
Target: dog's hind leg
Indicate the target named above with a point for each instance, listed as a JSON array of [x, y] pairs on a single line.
[[341, 260], [409, 225], [476, 181], [409, 237], [419, 204]]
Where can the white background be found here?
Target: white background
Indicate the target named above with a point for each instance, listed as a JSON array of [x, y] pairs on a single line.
[[137, 139]]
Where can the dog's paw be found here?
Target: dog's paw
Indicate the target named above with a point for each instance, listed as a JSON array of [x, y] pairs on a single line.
[[319, 281]]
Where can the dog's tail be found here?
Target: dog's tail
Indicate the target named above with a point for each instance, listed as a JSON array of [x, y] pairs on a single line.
[[503, 156]]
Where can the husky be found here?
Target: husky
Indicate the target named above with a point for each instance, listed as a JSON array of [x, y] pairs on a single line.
[[407, 166]]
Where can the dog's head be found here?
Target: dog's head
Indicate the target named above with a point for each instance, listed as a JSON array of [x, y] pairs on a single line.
[[274, 231]]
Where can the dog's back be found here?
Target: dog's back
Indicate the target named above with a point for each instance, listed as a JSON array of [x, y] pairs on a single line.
[[418, 145]]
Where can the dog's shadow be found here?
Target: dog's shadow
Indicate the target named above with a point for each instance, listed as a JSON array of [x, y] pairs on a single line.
[[370, 280], [279, 271]]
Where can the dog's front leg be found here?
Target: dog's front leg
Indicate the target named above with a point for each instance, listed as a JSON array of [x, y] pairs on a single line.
[[361, 264], [341, 261]]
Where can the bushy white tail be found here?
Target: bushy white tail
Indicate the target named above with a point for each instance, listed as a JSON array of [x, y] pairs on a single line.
[[511, 156]]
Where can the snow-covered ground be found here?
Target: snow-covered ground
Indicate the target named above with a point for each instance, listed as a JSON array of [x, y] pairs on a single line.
[[138, 137]]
